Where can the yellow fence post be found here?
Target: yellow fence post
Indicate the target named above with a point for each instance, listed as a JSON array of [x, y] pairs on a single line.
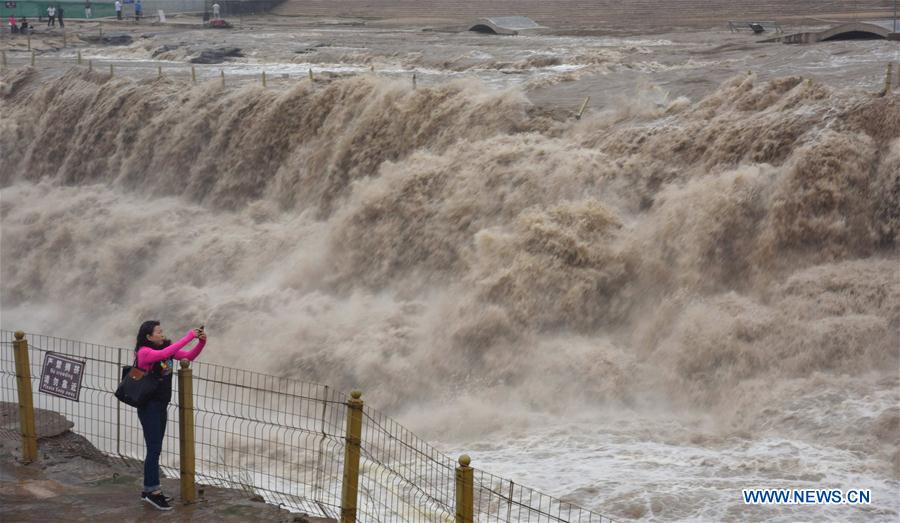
[[464, 491], [222, 72], [111, 70], [310, 75], [32, 59], [186, 431], [119, 411], [888, 79], [583, 107], [414, 81], [193, 75], [264, 78], [159, 71], [79, 57], [26, 401], [350, 484]]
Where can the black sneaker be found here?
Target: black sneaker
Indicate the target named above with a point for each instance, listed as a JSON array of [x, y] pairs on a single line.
[[168, 498], [157, 500]]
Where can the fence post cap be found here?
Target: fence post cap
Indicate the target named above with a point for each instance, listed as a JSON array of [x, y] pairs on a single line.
[[20, 335], [185, 363], [464, 460], [356, 394]]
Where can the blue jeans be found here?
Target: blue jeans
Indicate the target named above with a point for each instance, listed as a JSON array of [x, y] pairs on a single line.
[[153, 418]]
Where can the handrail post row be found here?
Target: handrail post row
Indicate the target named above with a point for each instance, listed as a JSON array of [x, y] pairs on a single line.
[[349, 508], [186, 431], [464, 491], [350, 483], [26, 401]]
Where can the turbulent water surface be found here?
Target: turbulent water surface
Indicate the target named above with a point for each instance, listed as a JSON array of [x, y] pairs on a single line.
[[643, 311]]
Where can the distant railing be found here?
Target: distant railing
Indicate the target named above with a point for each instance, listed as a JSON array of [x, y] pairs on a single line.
[[297, 444]]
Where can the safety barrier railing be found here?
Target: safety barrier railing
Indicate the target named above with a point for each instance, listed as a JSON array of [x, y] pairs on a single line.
[[226, 74], [304, 446]]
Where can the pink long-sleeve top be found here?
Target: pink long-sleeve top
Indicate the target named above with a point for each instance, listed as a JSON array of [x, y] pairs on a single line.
[[147, 356]]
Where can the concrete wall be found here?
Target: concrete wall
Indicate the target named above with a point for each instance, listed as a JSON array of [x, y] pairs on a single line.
[[227, 7], [172, 6]]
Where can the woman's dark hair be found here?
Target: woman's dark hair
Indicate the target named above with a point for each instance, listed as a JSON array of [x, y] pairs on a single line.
[[145, 330]]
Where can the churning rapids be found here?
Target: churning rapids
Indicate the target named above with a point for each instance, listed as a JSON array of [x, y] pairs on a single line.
[[642, 312]]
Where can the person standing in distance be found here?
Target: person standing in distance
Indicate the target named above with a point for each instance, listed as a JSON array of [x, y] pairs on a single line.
[[51, 16], [156, 356], [118, 10]]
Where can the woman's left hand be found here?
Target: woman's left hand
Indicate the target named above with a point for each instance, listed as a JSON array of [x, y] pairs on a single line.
[[202, 335]]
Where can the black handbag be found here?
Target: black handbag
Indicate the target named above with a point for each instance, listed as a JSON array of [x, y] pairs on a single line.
[[136, 387]]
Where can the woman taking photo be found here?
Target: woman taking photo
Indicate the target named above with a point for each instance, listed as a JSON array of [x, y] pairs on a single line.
[[155, 355]]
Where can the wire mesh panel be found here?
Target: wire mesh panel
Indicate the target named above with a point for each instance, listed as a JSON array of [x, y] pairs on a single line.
[[275, 437], [278, 438], [97, 415], [402, 478], [498, 499]]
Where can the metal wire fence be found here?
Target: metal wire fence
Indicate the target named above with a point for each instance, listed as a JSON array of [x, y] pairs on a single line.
[[502, 500], [281, 439]]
